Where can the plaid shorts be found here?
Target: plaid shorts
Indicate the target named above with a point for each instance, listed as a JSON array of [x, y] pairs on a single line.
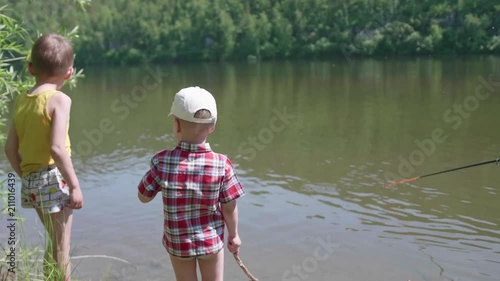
[[45, 189]]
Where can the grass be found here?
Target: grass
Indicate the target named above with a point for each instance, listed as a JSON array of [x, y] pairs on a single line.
[[30, 264], [30, 261]]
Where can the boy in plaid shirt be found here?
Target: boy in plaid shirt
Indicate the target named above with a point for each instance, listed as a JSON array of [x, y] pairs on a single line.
[[199, 189]]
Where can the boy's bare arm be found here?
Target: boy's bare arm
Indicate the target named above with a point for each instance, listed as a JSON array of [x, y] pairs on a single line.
[[144, 199], [61, 105], [12, 150], [230, 213]]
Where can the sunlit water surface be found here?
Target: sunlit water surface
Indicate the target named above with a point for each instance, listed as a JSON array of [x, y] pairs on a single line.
[[313, 143]]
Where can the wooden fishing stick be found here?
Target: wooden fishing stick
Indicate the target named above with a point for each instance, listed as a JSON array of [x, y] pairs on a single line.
[[442, 172], [244, 268]]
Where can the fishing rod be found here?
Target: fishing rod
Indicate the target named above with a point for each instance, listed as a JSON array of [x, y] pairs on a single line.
[[442, 172]]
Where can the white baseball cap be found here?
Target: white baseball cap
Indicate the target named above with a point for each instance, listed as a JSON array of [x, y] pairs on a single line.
[[189, 100]]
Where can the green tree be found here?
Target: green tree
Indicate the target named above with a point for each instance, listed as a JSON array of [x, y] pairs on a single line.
[[134, 31]]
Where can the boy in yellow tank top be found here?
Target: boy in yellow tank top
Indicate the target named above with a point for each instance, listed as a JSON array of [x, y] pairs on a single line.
[[38, 148]]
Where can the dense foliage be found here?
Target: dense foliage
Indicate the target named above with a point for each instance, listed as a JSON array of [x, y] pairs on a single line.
[[133, 31], [12, 51]]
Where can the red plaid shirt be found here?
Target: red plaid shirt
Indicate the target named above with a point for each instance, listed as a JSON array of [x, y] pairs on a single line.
[[194, 180]]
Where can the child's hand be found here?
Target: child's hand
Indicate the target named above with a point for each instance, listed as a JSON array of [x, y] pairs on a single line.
[[75, 199], [233, 244]]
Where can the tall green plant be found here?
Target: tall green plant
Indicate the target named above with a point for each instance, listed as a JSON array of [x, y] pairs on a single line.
[[12, 52], [15, 43]]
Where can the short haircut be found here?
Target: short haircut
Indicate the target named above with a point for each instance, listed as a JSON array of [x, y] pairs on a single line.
[[52, 54], [203, 114]]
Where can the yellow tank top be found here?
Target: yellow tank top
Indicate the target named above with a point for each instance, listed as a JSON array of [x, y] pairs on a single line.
[[33, 126]]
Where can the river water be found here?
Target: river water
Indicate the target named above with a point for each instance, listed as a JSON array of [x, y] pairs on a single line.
[[313, 144]]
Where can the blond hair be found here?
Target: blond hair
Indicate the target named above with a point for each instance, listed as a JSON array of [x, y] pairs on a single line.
[[51, 55]]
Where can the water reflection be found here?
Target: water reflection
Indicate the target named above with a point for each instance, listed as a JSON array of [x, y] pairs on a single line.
[[348, 125]]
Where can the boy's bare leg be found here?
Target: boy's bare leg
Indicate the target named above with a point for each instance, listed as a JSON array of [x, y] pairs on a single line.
[[185, 270], [212, 267], [48, 256], [62, 229], [58, 226]]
